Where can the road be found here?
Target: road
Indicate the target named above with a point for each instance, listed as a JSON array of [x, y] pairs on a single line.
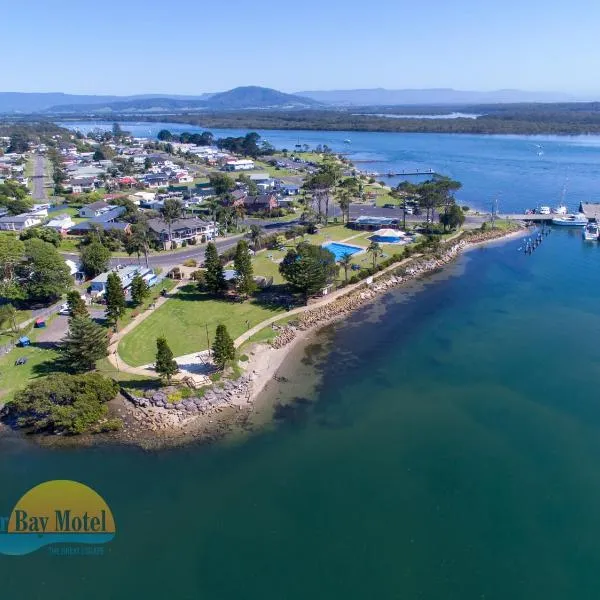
[[39, 191]]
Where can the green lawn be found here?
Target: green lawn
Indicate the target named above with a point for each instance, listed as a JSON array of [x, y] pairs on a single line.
[[131, 312], [40, 362], [182, 321]]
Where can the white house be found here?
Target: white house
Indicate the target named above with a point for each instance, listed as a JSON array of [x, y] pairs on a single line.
[[61, 223], [242, 164], [19, 222], [191, 230], [95, 209]]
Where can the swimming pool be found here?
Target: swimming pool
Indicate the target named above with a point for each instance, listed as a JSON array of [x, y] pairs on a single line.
[[338, 249]]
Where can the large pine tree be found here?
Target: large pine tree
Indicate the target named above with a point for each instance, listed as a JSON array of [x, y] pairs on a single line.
[[115, 299], [165, 365], [85, 343], [214, 278], [242, 263], [76, 304], [223, 349], [139, 290]]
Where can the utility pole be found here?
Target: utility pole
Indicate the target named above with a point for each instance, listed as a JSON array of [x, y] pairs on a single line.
[[207, 339]]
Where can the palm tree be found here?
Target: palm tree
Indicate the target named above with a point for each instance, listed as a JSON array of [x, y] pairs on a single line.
[[344, 198], [256, 234], [374, 250], [240, 213], [213, 206], [345, 262], [172, 210]]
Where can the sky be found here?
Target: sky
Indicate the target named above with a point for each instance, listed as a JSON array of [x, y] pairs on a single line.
[[188, 46]]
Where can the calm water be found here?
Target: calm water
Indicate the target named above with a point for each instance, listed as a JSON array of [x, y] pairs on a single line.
[[508, 168], [449, 450]]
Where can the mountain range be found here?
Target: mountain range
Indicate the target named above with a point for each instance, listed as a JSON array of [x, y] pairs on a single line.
[[254, 97]]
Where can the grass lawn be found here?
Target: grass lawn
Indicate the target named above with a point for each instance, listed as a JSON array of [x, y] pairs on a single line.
[[130, 312], [69, 244], [182, 321], [40, 362], [267, 267]]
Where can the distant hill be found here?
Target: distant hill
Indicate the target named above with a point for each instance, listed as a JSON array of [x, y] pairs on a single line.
[[257, 97], [383, 97], [32, 102], [237, 99]]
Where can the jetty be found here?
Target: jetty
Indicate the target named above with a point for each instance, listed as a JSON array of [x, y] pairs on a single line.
[[402, 173]]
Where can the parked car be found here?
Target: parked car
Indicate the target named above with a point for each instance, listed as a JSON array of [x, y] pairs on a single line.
[[64, 310], [389, 205]]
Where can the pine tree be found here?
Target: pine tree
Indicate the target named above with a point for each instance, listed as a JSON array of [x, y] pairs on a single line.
[[139, 290], [77, 306], [214, 278], [165, 366], [85, 343], [115, 299], [223, 349], [242, 263]]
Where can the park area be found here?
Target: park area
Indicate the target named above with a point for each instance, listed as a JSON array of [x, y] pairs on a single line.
[[183, 320]]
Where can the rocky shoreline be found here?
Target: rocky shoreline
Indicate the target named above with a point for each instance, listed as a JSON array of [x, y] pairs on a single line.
[[412, 269]]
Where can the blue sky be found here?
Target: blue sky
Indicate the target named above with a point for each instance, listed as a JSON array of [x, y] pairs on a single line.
[[191, 46]]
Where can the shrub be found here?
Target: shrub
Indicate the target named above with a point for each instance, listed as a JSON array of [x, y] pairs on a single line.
[[244, 358], [190, 262]]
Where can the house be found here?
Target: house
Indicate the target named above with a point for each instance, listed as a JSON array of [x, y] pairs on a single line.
[[238, 197], [263, 178], [95, 209], [126, 275], [183, 177], [156, 181], [290, 190], [127, 181], [19, 222], [82, 184], [241, 164], [61, 223], [182, 230], [86, 226], [262, 202]]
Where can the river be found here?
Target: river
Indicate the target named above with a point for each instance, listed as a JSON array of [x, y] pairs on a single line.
[[440, 444], [518, 171]]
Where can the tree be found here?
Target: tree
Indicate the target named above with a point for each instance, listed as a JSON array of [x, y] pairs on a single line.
[[214, 278], [344, 199], [86, 342], [77, 307], [12, 251], [44, 273], [139, 289], [223, 349], [8, 317], [221, 183], [172, 210], [242, 263], [95, 259], [374, 249], [46, 234], [256, 234], [138, 241], [99, 154], [309, 268], [345, 262], [164, 135], [62, 403], [115, 299], [453, 217], [165, 365]]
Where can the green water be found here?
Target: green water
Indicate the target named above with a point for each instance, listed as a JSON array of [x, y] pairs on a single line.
[[450, 451]]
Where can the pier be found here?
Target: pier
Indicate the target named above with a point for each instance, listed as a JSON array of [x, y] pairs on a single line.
[[402, 173]]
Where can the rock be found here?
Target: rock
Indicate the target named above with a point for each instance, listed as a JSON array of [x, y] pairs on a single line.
[[159, 397]]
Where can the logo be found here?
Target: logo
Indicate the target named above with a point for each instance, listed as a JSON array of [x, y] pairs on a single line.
[[56, 512]]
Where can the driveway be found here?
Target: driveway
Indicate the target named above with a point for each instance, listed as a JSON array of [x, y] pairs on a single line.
[[57, 328]]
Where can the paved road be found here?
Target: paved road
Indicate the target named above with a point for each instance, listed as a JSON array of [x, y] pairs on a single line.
[[39, 192]]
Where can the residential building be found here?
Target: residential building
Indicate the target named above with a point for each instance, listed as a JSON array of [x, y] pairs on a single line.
[[19, 222], [95, 209], [156, 181], [62, 223], [242, 164], [126, 275], [182, 230], [262, 202], [82, 185]]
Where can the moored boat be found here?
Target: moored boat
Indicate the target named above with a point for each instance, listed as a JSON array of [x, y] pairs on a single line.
[[590, 232], [561, 209], [578, 220]]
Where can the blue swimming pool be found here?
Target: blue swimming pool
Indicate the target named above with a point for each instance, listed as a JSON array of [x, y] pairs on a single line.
[[338, 249]]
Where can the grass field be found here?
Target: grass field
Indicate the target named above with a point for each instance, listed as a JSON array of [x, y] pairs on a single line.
[[183, 320], [40, 362]]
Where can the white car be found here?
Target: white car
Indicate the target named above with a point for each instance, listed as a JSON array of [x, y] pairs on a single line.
[[544, 210], [64, 310]]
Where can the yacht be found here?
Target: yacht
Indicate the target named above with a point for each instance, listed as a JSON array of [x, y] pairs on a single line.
[[578, 220], [590, 232], [561, 209], [347, 141]]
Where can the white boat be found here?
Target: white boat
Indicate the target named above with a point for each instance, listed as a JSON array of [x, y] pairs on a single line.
[[347, 141], [544, 210], [578, 220], [561, 209], [590, 232]]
